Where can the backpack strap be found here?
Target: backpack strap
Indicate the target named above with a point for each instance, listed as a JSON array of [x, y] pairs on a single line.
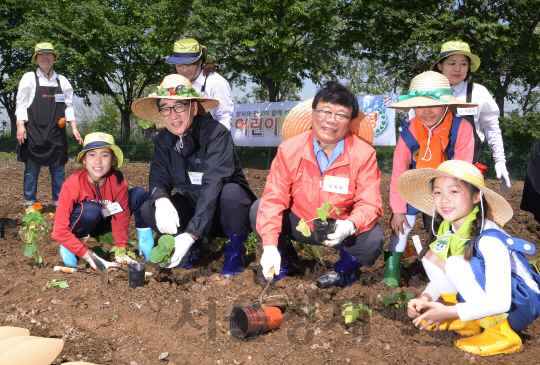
[[409, 140], [512, 243]]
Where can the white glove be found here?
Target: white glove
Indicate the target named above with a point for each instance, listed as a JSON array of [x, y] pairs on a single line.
[[125, 259], [344, 229], [167, 220], [270, 258], [182, 244], [501, 171], [92, 256]]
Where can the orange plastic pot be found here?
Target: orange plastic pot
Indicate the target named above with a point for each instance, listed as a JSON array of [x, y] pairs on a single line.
[[275, 318], [254, 320]]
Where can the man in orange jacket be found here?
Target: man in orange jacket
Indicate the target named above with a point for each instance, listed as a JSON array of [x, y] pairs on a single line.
[[324, 164]]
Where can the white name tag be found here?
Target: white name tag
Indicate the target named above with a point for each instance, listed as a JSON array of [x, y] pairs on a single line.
[[111, 209], [334, 184], [60, 98], [195, 177], [467, 111]]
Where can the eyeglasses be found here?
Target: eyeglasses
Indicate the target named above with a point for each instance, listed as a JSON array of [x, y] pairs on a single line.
[[179, 108], [325, 114]]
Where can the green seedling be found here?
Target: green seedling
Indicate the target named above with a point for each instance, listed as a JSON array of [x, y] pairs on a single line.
[[122, 252], [55, 283], [397, 299], [535, 264], [251, 244], [311, 251], [352, 311], [308, 309], [31, 233], [131, 243], [114, 318], [101, 250], [323, 212], [161, 254]]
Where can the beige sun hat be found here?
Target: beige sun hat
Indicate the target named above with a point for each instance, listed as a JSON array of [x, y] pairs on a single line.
[[96, 140], [456, 47], [299, 120], [414, 187], [429, 89], [173, 87], [44, 47]]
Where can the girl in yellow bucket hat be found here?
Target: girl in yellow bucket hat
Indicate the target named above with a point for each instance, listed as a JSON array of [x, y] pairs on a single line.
[[487, 284], [96, 200]]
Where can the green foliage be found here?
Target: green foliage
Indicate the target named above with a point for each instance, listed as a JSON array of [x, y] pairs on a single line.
[[352, 311], [535, 264], [161, 254], [31, 233], [397, 299], [100, 249], [55, 283], [323, 212], [313, 252], [251, 244], [114, 318], [308, 309], [122, 252]]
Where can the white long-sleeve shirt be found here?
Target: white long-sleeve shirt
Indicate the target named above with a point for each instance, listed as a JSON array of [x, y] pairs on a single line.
[[217, 88], [27, 90], [486, 117]]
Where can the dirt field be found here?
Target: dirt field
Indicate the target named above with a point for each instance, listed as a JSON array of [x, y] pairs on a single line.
[[185, 312]]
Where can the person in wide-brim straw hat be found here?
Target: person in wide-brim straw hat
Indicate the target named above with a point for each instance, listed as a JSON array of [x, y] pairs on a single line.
[[469, 254], [42, 48], [196, 157], [96, 140], [435, 134]]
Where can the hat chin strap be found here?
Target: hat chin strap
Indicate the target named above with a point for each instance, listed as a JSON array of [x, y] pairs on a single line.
[[430, 132]]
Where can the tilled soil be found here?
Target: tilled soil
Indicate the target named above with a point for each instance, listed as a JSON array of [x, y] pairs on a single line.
[[185, 313]]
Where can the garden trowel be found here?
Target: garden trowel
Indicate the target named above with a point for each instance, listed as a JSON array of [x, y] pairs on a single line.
[[102, 270]]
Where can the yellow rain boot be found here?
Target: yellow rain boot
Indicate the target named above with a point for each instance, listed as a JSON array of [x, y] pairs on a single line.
[[469, 328], [497, 338]]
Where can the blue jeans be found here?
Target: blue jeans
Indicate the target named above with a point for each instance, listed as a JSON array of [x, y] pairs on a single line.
[[31, 174]]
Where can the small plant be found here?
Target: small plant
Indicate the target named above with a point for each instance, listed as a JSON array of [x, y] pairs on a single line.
[[55, 283], [100, 250], [352, 311], [311, 251], [122, 252], [397, 299], [535, 264], [323, 212], [308, 309], [251, 244], [114, 318], [33, 226], [161, 254]]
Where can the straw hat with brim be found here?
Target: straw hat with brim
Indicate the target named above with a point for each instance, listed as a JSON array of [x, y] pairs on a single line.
[[429, 89], [173, 87], [97, 140], [414, 188], [42, 48], [186, 51], [456, 47], [299, 120]]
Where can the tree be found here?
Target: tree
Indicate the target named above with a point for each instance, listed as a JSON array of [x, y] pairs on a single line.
[[114, 48], [276, 44]]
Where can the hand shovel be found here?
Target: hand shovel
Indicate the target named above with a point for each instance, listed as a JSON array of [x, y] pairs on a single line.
[[102, 271]]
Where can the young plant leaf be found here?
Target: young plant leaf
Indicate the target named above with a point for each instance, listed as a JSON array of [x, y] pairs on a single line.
[[303, 228], [351, 313]]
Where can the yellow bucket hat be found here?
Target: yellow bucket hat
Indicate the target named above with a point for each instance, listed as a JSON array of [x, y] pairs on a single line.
[[44, 47], [456, 47], [186, 51], [96, 140]]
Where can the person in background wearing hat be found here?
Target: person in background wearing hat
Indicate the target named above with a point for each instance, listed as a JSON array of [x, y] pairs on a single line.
[[95, 201], [197, 158], [325, 164], [456, 62], [469, 254], [44, 103], [433, 136], [189, 60]]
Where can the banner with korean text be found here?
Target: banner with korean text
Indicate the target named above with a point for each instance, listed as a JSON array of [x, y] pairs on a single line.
[[260, 124]]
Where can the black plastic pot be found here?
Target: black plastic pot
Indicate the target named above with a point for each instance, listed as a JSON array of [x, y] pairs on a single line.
[[136, 274], [322, 230]]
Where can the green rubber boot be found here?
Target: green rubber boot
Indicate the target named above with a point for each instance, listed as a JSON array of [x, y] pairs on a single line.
[[392, 263]]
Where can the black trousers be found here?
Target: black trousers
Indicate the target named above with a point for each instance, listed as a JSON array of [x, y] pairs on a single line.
[[232, 212], [365, 247]]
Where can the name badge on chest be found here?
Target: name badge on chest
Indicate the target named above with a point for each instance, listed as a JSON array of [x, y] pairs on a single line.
[[111, 209], [334, 184], [59, 98], [195, 177], [467, 111]]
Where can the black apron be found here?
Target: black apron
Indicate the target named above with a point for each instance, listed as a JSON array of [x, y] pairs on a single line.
[[46, 143], [477, 156]]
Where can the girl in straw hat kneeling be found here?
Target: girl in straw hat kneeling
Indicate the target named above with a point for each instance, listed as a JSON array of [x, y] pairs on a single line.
[[471, 255], [197, 158], [434, 135], [95, 201]]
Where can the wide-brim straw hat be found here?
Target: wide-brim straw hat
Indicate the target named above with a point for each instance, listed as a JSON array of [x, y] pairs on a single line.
[[42, 48], [299, 120], [414, 187], [172, 85], [456, 47], [97, 140], [430, 88], [186, 51]]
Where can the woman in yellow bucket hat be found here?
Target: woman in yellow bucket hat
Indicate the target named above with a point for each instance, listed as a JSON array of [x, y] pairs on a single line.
[[44, 103]]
